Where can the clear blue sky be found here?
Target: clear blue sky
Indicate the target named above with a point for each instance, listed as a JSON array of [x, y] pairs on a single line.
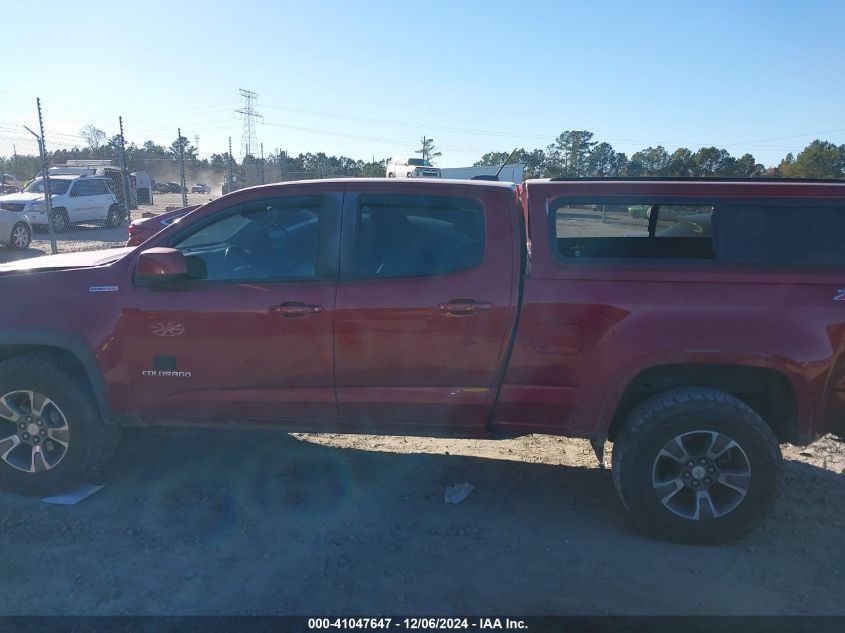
[[368, 79]]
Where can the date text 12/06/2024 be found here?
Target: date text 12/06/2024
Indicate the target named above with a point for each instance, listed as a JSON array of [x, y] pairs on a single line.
[[417, 623]]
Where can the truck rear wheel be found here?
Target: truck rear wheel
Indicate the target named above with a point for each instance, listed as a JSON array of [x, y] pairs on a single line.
[[52, 437], [115, 216], [696, 466]]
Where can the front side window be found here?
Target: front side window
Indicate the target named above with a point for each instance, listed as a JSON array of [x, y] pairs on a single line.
[[272, 240], [408, 236], [634, 230], [57, 187]]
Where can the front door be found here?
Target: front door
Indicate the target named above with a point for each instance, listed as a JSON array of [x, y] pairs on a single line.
[[251, 337], [425, 306]]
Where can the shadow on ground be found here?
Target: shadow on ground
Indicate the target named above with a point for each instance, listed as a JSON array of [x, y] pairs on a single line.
[[213, 522]]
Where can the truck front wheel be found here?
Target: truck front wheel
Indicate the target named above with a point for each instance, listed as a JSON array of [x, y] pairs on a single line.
[[52, 437], [697, 466]]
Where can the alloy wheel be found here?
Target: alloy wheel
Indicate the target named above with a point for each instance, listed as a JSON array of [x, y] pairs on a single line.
[[34, 433], [701, 475]]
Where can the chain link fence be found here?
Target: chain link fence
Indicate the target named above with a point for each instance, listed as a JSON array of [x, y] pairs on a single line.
[[98, 182]]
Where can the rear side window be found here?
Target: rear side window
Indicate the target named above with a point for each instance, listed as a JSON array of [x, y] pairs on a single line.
[[101, 187], [81, 187], [634, 230], [811, 236], [409, 236]]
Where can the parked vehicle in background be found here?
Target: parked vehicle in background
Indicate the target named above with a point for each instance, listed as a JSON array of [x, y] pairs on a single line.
[[100, 168], [401, 167], [9, 184], [15, 229], [200, 188], [168, 187], [144, 228], [74, 199], [143, 185], [455, 308]]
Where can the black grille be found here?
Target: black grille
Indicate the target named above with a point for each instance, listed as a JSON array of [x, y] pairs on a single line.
[[17, 207]]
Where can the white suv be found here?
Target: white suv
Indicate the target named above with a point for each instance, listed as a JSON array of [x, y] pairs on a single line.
[[74, 199], [400, 167]]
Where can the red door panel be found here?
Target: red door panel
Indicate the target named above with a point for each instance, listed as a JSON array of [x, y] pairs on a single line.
[[252, 338], [245, 359], [424, 349]]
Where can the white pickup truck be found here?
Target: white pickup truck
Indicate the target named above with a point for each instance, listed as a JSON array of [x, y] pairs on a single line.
[[400, 167]]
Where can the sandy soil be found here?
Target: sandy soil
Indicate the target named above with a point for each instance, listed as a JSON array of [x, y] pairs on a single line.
[[226, 522]]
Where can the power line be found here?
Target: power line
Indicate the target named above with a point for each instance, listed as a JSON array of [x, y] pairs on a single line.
[[249, 139]]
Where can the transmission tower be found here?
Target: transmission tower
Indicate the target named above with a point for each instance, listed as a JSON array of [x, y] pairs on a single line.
[[249, 140]]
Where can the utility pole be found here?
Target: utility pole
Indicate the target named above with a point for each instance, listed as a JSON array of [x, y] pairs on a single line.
[[249, 142], [45, 174], [261, 165], [182, 166], [230, 187], [123, 170], [197, 144]]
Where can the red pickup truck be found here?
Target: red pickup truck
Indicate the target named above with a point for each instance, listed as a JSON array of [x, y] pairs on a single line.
[[695, 324]]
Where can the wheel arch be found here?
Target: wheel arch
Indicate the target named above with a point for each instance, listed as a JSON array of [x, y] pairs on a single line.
[[768, 391], [69, 350]]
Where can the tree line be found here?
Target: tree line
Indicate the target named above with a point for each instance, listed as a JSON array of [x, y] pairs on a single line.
[[574, 154]]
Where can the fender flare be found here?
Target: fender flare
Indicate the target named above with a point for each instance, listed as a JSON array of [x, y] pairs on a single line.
[[74, 345]]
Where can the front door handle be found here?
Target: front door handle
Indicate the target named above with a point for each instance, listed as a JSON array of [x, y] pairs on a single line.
[[293, 309], [464, 307]]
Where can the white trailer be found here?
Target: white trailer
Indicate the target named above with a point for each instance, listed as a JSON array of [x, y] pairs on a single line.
[[510, 173], [143, 185]]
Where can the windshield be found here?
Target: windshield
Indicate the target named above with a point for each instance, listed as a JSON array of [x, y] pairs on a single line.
[[419, 162], [56, 186]]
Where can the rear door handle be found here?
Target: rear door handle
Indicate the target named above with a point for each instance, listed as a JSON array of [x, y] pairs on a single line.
[[293, 309], [464, 307]]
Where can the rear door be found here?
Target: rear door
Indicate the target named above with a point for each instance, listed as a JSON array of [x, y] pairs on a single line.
[[425, 305], [79, 200], [100, 199]]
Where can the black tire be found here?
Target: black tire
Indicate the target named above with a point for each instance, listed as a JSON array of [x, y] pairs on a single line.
[[21, 236], [115, 216], [61, 221], [694, 413], [90, 441], [391, 175]]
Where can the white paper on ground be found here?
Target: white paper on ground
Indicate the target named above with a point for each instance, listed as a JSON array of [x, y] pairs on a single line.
[[74, 496], [457, 493]]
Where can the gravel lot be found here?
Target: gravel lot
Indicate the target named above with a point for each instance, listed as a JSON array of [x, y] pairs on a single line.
[[88, 237], [196, 521]]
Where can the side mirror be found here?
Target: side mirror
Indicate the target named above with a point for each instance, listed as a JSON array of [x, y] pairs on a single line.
[[160, 265]]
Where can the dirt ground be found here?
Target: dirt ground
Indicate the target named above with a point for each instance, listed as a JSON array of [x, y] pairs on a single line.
[[256, 522], [196, 521]]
